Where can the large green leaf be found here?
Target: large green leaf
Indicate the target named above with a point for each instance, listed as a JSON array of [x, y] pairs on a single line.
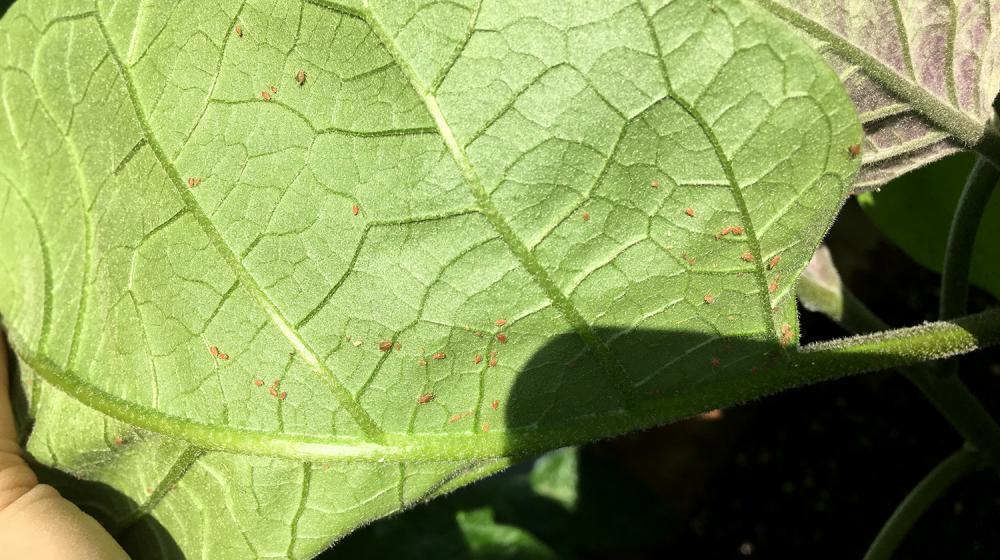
[[923, 74], [179, 239]]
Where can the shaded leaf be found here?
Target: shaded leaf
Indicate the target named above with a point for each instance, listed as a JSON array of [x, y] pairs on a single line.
[[923, 74], [915, 212]]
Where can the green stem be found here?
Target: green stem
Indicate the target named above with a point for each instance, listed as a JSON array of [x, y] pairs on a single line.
[[962, 238], [957, 465], [946, 392], [810, 364]]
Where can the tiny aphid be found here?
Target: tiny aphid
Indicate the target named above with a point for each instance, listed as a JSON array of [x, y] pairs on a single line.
[[502, 338], [586, 216], [223, 356], [355, 209], [687, 259], [773, 286], [455, 418], [655, 183], [425, 398], [258, 382], [439, 355], [357, 343], [786, 334], [771, 264], [689, 212], [478, 359], [283, 395], [119, 440], [493, 361], [385, 345], [501, 322], [709, 299], [193, 182], [265, 95], [854, 150], [300, 77], [747, 257], [214, 350], [716, 362], [398, 346], [486, 426], [239, 31], [422, 362], [736, 230], [274, 89], [495, 404]]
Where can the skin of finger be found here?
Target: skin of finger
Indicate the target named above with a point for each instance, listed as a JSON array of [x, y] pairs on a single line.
[[35, 521]]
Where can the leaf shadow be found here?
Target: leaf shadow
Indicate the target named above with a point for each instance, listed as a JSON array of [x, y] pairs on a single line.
[[565, 395]]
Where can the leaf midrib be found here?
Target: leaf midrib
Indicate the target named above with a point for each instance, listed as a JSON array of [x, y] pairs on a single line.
[[605, 358], [341, 393]]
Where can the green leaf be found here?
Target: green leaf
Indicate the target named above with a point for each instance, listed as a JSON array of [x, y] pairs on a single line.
[[176, 231], [923, 74], [915, 212]]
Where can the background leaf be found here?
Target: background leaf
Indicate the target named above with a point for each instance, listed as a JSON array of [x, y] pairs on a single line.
[[923, 74], [276, 269], [915, 212]]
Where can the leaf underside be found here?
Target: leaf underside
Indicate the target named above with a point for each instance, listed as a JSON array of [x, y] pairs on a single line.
[[276, 269], [923, 74]]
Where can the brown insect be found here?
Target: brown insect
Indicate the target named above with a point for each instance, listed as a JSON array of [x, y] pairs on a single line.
[[486, 426], [265, 95], [747, 257], [736, 230], [493, 361], [300, 77], [687, 259], [193, 182], [854, 150], [773, 286], [439, 355], [214, 350], [258, 382], [689, 212], [399, 346], [655, 183], [119, 440], [283, 395], [425, 398], [355, 209], [239, 31], [385, 345], [709, 299], [502, 338], [478, 359], [274, 89], [495, 404], [501, 322], [586, 216], [223, 356], [716, 362], [786, 334], [771, 264]]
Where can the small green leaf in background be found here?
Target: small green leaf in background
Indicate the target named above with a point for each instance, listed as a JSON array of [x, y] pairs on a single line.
[[915, 210], [566, 504]]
